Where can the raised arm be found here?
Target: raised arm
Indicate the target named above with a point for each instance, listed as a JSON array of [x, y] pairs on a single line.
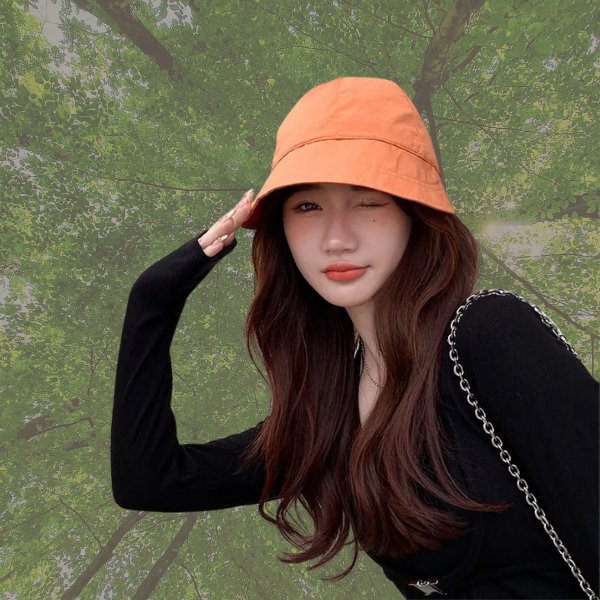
[[150, 469]]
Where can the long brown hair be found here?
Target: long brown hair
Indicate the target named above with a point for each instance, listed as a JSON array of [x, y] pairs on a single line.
[[375, 478]]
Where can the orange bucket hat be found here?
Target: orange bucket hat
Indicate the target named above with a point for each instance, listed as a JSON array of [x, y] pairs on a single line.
[[360, 131]]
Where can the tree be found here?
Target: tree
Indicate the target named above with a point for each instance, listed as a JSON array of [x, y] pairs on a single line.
[[141, 126]]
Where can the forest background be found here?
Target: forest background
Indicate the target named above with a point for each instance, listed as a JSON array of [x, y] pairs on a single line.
[[128, 127]]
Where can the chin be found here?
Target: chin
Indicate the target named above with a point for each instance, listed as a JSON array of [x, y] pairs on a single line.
[[344, 295], [348, 299]]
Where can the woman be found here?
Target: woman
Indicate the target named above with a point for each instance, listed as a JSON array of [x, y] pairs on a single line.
[[360, 261]]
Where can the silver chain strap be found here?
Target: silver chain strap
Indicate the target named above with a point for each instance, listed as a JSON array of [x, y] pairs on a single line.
[[497, 442]]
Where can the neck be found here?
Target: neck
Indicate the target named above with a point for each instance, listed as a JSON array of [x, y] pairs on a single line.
[[362, 318]]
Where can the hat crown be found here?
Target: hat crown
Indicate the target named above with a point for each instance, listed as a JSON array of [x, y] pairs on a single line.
[[356, 130], [351, 108]]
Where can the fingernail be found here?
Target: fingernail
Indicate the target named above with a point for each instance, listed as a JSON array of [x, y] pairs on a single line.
[[230, 213], [249, 194], [223, 237]]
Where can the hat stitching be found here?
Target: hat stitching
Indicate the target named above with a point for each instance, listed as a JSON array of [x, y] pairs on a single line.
[[356, 137], [393, 173], [401, 176]]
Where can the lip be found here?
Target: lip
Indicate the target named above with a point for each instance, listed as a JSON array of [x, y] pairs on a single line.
[[345, 275], [341, 267]]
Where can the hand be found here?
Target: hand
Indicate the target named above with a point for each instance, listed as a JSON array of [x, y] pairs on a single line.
[[221, 234]]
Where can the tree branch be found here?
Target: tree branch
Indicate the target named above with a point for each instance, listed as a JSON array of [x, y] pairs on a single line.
[[119, 16], [387, 21], [37, 426], [35, 516], [191, 576], [131, 519], [161, 566], [365, 63], [450, 30], [535, 292], [82, 519]]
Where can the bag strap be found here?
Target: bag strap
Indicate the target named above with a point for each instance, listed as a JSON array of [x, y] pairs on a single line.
[[497, 442]]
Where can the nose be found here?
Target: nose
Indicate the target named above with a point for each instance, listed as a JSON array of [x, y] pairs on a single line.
[[338, 234]]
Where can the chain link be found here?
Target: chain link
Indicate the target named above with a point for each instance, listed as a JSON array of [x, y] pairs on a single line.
[[497, 442]]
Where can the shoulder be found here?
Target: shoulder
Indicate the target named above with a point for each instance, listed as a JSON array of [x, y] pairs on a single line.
[[498, 319], [505, 334], [503, 338], [495, 310]]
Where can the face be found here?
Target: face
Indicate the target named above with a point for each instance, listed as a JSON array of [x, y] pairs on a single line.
[[329, 223]]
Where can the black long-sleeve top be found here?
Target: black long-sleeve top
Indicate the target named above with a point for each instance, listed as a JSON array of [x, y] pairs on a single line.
[[540, 398]]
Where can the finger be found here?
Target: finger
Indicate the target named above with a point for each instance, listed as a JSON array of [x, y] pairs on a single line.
[[238, 215], [234, 218], [226, 224], [246, 200], [217, 245], [229, 222], [214, 233], [242, 202]]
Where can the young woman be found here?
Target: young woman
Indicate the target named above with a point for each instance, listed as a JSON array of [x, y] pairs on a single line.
[[364, 298]]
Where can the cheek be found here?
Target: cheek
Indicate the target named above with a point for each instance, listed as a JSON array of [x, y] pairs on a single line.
[[298, 243], [403, 239], [400, 234], [289, 232]]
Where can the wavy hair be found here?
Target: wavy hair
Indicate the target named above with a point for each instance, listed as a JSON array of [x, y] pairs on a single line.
[[375, 478]]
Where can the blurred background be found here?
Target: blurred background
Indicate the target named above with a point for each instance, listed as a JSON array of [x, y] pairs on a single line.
[[129, 127]]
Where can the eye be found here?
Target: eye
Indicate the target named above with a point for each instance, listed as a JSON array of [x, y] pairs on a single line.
[[370, 204], [364, 203], [304, 204], [312, 206]]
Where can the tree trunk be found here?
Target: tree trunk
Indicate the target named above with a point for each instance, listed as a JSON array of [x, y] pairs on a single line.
[[132, 518], [161, 566], [434, 69], [118, 15]]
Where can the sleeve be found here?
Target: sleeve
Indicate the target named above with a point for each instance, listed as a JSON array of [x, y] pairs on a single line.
[[150, 470], [543, 403]]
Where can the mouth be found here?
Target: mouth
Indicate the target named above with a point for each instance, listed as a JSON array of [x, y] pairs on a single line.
[[346, 274], [341, 267]]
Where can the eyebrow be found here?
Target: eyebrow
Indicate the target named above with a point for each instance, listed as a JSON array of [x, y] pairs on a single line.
[[315, 186]]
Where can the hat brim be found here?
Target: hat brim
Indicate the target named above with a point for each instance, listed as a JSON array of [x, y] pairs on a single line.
[[367, 162]]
